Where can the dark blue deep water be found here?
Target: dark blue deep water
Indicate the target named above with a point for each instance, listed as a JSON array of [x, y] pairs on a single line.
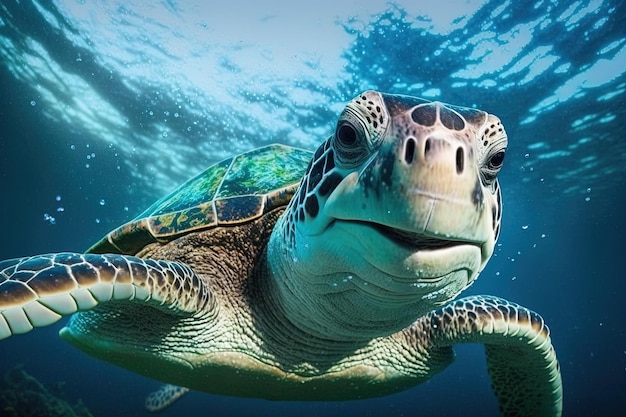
[[107, 105]]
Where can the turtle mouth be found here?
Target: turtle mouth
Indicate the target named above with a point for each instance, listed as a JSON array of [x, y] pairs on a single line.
[[415, 241]]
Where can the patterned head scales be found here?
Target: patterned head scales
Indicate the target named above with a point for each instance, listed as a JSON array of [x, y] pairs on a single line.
[[422, 129]]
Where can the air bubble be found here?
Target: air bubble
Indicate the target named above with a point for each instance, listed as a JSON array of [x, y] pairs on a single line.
[[102, 202], [58, 198], [49, 218], [97, 220], [33, 103], [524, 227]]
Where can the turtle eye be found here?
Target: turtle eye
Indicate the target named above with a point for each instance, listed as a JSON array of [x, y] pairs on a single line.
[[346, 134], [492, 167], [495, 162], [491, 146], [350, 143]]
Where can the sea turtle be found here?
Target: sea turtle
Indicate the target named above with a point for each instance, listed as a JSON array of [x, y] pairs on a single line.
[[292, 275]]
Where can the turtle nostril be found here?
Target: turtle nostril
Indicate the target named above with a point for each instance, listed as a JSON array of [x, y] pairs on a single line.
[[409, 150], [427, 146], [460, 160]]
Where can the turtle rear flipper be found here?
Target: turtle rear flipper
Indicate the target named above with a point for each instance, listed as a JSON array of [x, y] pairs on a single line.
[[521, 360], [165, 396], [37, 291]]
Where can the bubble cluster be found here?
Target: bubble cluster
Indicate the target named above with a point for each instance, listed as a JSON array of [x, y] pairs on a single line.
[[60, 208]]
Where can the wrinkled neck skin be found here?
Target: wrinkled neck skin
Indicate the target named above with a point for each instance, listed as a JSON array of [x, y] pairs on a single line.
[[351, 283]]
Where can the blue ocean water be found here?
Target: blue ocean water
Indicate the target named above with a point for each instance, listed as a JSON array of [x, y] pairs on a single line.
[[105, 106]]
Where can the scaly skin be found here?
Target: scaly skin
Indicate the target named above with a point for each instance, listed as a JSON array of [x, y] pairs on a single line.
[[349, 294], [411, 220]]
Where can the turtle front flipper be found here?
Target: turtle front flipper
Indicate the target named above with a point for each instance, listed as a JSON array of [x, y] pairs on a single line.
[[521, 360], [37, 291], [165, 396]]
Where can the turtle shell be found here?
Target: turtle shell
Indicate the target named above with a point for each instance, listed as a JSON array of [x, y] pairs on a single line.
[[233, 191]]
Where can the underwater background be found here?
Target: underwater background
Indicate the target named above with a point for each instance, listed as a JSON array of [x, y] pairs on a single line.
[[105, 106]]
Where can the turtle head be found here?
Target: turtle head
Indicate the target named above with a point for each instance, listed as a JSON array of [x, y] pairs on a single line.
[[401, 202]]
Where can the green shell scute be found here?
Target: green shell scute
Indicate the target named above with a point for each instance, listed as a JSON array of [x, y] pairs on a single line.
[[232, 191], [264, 170], [196, 191]]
